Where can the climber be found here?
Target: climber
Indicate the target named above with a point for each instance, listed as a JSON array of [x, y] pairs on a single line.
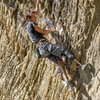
[[46, 49]]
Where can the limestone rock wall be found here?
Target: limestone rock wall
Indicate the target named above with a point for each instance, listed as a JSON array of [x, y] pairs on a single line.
[[23, 76]]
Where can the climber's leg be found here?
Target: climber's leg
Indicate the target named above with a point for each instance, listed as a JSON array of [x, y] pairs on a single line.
[[62, 64], [59, 51], [46, 48], [59, 62]]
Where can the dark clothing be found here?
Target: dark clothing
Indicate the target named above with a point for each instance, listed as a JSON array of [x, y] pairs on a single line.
[[34, 35]]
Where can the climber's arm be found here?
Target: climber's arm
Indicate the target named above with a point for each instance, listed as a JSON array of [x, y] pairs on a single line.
[[42, 31], [37, 7]]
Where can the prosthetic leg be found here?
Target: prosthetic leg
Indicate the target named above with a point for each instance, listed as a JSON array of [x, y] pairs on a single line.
[[83, 66]]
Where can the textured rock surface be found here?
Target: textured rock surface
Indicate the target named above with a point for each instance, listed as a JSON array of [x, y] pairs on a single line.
[[23, 76]]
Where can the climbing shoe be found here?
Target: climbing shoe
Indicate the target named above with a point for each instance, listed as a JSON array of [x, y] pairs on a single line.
[[65, 83]]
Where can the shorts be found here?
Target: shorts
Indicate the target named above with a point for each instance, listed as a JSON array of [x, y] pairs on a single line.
[[51, 51]]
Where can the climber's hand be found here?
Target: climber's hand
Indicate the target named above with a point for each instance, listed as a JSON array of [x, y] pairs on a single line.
[[52, 30]]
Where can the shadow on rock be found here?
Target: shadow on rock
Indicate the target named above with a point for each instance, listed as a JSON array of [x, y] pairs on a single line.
[[86, 74], [84, 77]]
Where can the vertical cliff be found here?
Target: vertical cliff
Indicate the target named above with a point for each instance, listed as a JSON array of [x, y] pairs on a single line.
[[23, 76]]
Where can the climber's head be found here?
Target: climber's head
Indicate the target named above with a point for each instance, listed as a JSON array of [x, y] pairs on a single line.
[[34, 16]]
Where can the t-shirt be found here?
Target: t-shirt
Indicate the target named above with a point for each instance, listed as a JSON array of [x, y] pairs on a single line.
[[34, 35]]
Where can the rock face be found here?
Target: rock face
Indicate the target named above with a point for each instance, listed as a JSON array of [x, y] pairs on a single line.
[[23, 76]]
